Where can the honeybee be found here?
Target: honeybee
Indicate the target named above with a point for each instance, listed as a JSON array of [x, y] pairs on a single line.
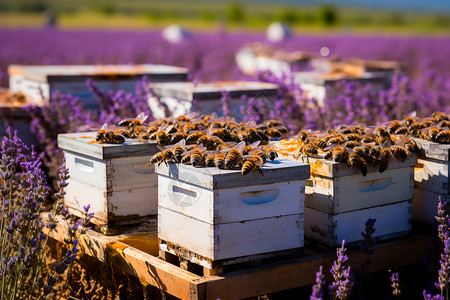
[[399, 153], [320, 143], [273, 123], [164, 156], [385, 156], [130, 123], [274, 132], [335, 140], [234, 155], [356, 161], [250, 147], [409, 120], [302, 135], [219, 160], [270, 153], [161, 136], [178, 149], [123, 132], [367, 139], [106, 136], [220, 133], [308, 150], [209, 159], [177, 136], [252, 163], [393, 126], [440, 116], [259, 152], [352, 137], [351, 144], [443, 137], [242, 136], [193, 137], [197, 156], [431, 134], [402, 130]]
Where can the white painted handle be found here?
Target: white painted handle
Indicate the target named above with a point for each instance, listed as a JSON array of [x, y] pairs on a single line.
[[259, 197], [144, 168], [84, 165], [374, 185], [182, 197]]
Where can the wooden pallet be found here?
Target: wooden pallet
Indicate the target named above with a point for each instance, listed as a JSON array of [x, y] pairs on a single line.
[[136, 252]]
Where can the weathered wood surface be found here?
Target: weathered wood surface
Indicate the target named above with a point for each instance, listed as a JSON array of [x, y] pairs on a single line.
[[231, 240], [280, 170], [80, 143], [354, 192], [331, 229], [234, 204], [70, 73], [240, 284], [432, 175], [433, 150], [213, 90]]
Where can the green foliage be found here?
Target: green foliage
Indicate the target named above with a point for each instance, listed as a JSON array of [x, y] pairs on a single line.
[[235, 13], [327, 15], [288, 16]]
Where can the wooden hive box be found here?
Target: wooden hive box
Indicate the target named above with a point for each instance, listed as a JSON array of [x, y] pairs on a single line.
[[431, 178], [14, 114], [118, 181], [321, 85], [180, 98], [72, 79], [339, 200], [214, 217]]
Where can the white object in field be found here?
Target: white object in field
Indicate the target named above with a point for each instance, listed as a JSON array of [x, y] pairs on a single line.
[[232, 215], [278, 31], [392, 220], [38, 81], [180, 98], [118, 181], [425, 205], [175, 34], [321, 85]]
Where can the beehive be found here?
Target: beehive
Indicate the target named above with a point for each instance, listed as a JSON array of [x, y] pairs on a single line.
[[431, 177], [181, 98], [321, 85], [118, 181], [34, 80], [14, 114], [211, 216], [339, 200]]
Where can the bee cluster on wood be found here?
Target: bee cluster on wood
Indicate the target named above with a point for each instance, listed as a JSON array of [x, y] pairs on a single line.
[[360, 146], [207, 141]]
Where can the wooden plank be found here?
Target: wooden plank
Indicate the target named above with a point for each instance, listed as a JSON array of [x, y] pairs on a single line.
[[433, 150], [79, 143], [146, 267], [432, 175], [279, 170], [301, 272]]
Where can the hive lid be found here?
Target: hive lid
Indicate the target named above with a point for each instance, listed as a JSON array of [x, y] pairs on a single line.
[[321, 78], [79, 143], [213, 90], [280, 170], [433, 150], [60, 73]]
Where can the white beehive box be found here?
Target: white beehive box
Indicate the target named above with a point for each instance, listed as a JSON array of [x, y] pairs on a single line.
[[180, 98], [34, 80], [321, 85], [431, 177], [279, 63], [207, 215], [14, 114], [118, 181], [339, 200]]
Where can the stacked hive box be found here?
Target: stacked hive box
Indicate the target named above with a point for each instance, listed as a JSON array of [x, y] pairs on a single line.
[[34, 80], [215, 217], [176, 99], [118, 181], [339, 200], [431, 178]]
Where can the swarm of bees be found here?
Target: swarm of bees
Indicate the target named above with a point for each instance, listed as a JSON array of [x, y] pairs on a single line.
[[359, 147], [206, 141]]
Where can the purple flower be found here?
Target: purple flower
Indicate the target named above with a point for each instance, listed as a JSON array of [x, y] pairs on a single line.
[[395, 284], [432, 297], [443, 272], [342, 285], [442, 219], [317, 289]]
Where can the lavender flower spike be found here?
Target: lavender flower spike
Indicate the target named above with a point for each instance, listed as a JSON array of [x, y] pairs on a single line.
[[395, 284], [442, 283], [441, 218], [317, 289], [342, 285], [430, 297]]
